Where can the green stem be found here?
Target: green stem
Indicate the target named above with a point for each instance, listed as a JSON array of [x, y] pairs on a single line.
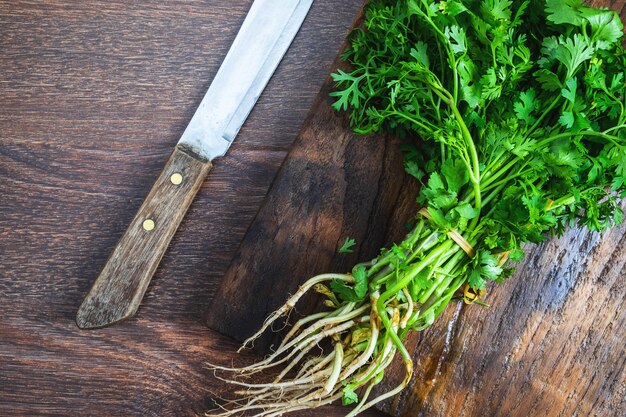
[[450, 266], [469, 143], [543, 116], [448, 47], [412, 120], [408, 277], [490, 178]]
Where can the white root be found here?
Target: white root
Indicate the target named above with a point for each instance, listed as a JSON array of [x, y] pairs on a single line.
[[299, 324], [271, 360], [311, 343], [299, 407], [334, 375], [371, 344], [312, 366], [303, 381], [370, 374], [294, 362], [291, 303], [318, 381], [384, 359]]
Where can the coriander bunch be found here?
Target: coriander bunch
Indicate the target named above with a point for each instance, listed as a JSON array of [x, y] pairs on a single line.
[[514, 114]]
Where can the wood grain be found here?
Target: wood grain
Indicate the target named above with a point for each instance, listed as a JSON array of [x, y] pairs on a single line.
[[117, 292], [551, 344], [94, 95]]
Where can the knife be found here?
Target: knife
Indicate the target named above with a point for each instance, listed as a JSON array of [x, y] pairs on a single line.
[[262, 41]]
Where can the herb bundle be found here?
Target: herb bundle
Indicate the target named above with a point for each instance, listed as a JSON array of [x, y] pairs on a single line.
[[520, 108]]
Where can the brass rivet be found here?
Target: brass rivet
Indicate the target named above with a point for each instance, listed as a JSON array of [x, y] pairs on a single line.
[[176, 178], [148, 225]]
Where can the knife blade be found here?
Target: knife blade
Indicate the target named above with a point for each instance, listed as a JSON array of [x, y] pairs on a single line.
[[263, 39]]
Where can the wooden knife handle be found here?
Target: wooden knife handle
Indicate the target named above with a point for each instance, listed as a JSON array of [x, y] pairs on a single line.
[[118, 290]]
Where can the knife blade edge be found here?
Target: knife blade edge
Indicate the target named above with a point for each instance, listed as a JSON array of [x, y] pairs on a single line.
[[226, 106]]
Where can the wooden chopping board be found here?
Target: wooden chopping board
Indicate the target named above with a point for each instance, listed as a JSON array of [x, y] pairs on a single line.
[[551, 344]]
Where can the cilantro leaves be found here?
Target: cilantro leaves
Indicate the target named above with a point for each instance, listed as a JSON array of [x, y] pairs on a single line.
[[347, 245], [354, 293], [348, 395], [520, 106]]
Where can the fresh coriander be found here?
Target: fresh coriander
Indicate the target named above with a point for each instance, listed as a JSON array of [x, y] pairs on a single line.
[[519, 107], [347, 246]]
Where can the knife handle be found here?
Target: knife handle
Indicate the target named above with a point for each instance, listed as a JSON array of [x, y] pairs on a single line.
[[118, 290]]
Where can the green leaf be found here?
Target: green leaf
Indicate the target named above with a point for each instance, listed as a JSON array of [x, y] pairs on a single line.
[[452, 8], [347, 246], [617, 156], [456, 36], [438, 218], [617, 82], [468, 75], [573, 52], [519, 15], [360, 281], [455, 173], [489, 265], [581, 122], [476, 281], [413, 169], [436, 193], [526, 106], [421, 280], [554, 65], [569, 92], [348, 395], [618, 216], [442, 199], [606, 27], [549, 46], [343, 291], [549, 81], [496, 9], [419, 52], [435, 183], [350, 95], [399, 252], [567, 119], [492, 241], [564, 11], [354, 293], [466, 211], [491, 85], [516, 255], [535, 205]]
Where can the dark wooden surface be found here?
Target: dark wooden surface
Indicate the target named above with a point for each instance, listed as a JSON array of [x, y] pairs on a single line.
[[117, 292], [551, 344], [93, 97]]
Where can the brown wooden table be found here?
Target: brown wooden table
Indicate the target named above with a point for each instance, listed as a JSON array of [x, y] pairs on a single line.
[[93, 95]]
